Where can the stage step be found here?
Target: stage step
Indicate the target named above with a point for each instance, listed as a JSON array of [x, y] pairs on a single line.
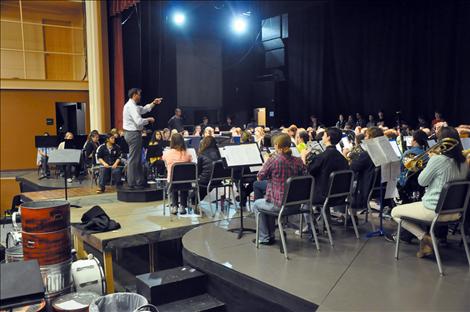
[[204, 302], [171, 285]]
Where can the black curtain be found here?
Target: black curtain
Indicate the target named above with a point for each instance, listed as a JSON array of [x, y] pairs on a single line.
[[363, 56]]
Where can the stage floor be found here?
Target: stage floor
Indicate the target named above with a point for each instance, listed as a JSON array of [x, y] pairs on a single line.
[[354, 275]]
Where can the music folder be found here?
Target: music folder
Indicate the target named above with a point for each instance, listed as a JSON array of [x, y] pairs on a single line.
[[14, 292]]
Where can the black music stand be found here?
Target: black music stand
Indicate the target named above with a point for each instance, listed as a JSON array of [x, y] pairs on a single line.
[[65, 157], [228, 153]]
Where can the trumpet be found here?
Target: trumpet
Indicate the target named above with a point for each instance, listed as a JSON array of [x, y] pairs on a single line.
[[417, 163]]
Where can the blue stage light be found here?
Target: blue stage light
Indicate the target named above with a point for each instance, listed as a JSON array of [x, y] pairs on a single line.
[[239, 25], [179, 18]]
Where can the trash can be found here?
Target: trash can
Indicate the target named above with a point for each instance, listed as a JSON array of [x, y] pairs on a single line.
[[122, 302]]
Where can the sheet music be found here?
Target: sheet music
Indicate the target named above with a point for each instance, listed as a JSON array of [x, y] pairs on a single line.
[[346, 143], [408, 140], [390, 173], [241, 155], [380, 151], [193, 154], [431, 143], [254, 169], [394, 145], [465, 143], [314, 145], [295, 152], [338, 148]]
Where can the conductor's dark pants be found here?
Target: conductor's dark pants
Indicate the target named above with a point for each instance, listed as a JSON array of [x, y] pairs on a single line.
[[135, 172]]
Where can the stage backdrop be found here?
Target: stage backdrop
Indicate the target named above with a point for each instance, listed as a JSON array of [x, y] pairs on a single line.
[[348, 56]]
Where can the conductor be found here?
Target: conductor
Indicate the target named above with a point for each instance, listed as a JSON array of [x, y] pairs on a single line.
[[133, 124]]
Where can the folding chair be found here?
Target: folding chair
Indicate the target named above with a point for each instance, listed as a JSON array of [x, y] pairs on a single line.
[[183, 173], [454, 198], [297, 200], [219, 176], [340, 192]]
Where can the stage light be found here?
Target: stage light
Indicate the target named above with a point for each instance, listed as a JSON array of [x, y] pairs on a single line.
[[179, 18], [239, 25]]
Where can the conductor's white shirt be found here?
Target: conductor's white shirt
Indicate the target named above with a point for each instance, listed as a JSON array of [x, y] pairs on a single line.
[[132, 119]]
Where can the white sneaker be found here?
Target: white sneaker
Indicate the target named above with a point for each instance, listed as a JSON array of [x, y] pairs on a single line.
[[174, 210], [182, 210], [69, 180]]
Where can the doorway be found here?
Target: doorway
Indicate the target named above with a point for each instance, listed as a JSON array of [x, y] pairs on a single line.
[[70, 117]]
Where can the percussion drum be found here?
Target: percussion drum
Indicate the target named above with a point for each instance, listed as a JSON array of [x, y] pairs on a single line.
[[74, 302], [45, 216], [47, 248], [88, 276], [14, 254], [57, 279]]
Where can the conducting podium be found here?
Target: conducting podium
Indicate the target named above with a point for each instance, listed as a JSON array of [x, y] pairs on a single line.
[[242, 156], [65, 157], [384, 156]]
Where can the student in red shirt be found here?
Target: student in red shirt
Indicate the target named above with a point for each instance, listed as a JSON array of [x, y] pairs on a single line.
[[277, 169]]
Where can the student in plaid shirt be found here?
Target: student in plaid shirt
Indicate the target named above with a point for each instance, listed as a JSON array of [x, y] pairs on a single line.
[[276, 171]]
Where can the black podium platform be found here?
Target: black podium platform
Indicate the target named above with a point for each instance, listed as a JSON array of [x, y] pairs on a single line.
[[150, 193]]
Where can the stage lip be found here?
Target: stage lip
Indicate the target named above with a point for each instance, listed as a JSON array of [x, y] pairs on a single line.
[[240, 280]]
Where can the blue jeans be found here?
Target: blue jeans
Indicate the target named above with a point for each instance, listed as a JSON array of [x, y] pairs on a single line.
[[267, 223], [259, 187]]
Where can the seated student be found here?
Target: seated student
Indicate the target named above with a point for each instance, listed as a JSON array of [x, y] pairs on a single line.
[[205, 123], [276, 170], [208, 131], [197, 131], [207, 154], [301, 140], [177, 154], [419, 145], [322, 165], [259, 136], [109, 158], [364, 168], [68, 137], [446, 167], [166, 134], [157, 163], [90, 148], [43, 158], [292, 131]]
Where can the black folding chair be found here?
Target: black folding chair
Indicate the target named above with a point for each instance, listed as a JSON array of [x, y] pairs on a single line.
[[454, 199], [340, 192], [374, 193], [183, 173], [297, 200], [220, 177]]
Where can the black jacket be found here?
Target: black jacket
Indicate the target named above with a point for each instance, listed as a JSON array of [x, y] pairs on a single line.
[[364, 169], [321, 166], [176, 123], [204, 164]]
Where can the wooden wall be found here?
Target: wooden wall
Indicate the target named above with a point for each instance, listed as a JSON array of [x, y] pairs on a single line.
[[23, 115]]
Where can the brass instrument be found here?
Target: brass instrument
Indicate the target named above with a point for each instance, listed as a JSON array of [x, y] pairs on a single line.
[[417, 163], [354, 153]]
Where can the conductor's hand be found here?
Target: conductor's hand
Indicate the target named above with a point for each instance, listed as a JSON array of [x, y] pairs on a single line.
[[151, 119], [157, 101]]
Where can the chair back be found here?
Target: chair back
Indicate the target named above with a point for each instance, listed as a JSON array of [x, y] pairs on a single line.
[[454, 198], [219, 172], [298, 191], [183, 173], [340, 187]]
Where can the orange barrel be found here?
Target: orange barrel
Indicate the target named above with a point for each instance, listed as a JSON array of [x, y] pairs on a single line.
[[47, 248], [45, 216]]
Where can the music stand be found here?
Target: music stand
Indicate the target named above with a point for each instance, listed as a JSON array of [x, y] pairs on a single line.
[[65, 157], [383, 155], [240, 156], [47, 141]]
